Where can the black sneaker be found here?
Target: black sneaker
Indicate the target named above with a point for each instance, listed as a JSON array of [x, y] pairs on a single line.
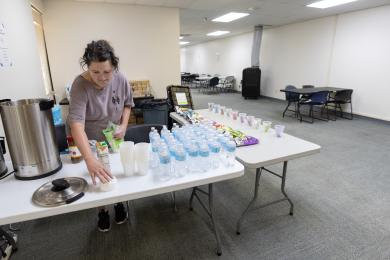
[[104, 221], [120, 213]]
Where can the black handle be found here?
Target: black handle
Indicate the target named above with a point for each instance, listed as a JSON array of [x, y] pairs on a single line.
[[60, 185], [68, 201], [5, 100], [46, 104], [2, 143]]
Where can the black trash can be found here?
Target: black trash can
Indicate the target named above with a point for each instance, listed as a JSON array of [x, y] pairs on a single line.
[[155, 111]]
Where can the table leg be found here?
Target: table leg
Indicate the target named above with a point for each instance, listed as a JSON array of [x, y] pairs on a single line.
[[192, 198], [282, 188], [258, 175], [211, 206], [209, 210], [173, 196]]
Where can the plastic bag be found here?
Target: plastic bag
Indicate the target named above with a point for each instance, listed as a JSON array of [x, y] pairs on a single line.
[[109, 133], [57, 115]]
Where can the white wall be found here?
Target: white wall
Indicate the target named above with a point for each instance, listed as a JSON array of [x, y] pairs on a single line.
[[296, 54], [350, 50], [24, 78], [144, 38], [226, 56], [361, 60]]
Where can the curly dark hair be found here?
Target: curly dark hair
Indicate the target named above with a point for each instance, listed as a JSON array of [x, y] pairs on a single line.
[[99, 51]]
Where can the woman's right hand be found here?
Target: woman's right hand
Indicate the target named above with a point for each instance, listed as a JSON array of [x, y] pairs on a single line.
[[96, 169]]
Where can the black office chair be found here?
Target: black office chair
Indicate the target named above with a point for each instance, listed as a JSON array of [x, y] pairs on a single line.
[[191, 79], [60, 138], [213, 83], [139, 134], [317, 99], [341, 98], [291, 98]]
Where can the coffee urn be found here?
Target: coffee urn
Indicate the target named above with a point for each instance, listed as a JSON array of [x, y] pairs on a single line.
[[29, 129]]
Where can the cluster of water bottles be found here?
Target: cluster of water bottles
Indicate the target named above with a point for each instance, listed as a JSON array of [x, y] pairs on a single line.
[[189, 149]]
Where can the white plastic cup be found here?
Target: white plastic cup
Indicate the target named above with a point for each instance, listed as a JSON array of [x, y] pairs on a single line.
[[108, 186], [216, 108], [142, 158], [234, 115], [242, 117], [250, 120], [279, 129], [211, 106], [222, 110], [266, 126], [228, 112], [258, 123], [126, 151]]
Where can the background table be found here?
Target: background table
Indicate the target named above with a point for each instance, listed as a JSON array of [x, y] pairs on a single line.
[[303, 91], [270, 150]]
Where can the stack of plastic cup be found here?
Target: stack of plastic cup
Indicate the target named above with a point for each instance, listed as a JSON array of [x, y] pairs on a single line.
[[142, 157], [126, 151]]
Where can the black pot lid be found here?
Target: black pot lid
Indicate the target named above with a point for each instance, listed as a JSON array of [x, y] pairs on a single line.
[[60, 192]]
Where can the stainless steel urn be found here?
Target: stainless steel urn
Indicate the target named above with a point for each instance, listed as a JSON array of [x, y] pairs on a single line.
[[29, 128]]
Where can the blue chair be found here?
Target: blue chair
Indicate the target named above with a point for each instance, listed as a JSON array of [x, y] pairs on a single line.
[[306, 96], [291, 98], [317, 99]]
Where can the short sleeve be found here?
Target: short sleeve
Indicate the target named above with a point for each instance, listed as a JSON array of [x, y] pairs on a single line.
[[128, 95], [78, 103]]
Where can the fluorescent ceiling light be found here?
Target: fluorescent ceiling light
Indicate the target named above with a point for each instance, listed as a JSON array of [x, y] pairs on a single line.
[[329, 3], [181, 38], [226, 18], [184, 43], [217, 33]]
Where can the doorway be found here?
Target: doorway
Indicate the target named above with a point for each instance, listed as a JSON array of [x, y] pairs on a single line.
[[42, 51]]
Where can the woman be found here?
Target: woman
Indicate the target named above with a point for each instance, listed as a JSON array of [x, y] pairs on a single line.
[[99, 95]]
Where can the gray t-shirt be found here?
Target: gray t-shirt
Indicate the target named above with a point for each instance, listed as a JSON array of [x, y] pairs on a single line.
[[95, 108]]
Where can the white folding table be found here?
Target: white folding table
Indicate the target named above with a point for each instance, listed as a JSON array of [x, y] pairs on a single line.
[[16, 195], [271, 150]]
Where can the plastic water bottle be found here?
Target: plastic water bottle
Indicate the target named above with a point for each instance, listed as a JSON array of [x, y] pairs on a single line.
[[164, 132], [180, 168], [151, 134], [215, 153], [230, 148], [165, 171], [193, 162], [204, 157], [154, 159]]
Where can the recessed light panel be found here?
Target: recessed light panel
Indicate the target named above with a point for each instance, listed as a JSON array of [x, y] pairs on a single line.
[[329, 3], [218, 33], [229, 17]]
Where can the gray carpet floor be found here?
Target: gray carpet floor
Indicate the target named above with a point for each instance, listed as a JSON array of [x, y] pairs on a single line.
[[341, 196]]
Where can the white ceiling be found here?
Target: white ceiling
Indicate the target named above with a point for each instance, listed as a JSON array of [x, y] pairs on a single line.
[[196, 15]]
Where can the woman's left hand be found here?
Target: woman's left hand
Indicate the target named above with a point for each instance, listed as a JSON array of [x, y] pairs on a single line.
[[120, 132]]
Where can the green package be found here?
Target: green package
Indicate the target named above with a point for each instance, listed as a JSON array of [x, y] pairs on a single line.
[[112, 141]]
